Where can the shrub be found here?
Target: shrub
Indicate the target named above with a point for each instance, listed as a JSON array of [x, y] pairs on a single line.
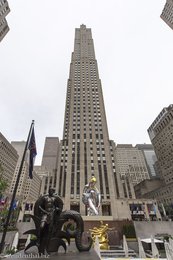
[[129, 231]]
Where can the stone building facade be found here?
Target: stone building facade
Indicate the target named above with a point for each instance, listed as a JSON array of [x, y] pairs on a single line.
[[86, 149], [48, 169], [131, 163], [8, 160], [161, 135], [167, 13], [4, 10]]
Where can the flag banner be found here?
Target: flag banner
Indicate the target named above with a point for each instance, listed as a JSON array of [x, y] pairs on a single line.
[[2, 201], [14, 205], [33, 153], [3, 204]]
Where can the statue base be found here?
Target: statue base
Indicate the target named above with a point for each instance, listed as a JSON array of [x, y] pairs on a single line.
[[71, 254], [91, 255]]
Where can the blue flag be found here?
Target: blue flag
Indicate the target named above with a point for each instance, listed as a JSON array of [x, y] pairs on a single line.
[[14, 205], [33, 153]]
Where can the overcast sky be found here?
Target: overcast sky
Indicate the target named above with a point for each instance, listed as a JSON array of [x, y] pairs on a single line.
[[134, 50]]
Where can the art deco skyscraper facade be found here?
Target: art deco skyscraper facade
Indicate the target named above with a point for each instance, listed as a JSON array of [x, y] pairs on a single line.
[[4, 10], [161, 135], [49, 163], [167, 13], [85, 149], [131, 163], [8, 160]]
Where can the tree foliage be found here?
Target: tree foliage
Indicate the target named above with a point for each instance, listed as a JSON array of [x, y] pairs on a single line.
[[3, 183], [169, 210], [129, 231]]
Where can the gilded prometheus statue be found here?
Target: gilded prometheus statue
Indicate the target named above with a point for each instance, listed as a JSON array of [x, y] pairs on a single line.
[[101, 233]]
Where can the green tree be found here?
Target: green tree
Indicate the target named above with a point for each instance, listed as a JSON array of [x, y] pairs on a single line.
[[3, 183], [169, 210], [1, 169], [129, 231], [3, 186]]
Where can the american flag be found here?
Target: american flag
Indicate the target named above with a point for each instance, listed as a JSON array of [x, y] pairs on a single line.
[[33, 153]]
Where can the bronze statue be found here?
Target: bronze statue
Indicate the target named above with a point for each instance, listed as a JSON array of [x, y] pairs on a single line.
[[49, 220], [48, 208], [91, 197]]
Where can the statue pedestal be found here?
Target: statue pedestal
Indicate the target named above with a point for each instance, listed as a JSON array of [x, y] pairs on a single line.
[[71, 254], [91, 255]]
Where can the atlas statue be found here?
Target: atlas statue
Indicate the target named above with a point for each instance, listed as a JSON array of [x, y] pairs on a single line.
[[49, 222]]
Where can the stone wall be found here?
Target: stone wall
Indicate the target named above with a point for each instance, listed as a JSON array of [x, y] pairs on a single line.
[[146, 229], [9, 238]]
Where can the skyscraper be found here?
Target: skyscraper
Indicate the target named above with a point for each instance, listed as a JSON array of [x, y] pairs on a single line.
[[131, 163], [49, 163], [161, 135], [150, 158], [8, 159], [4, 10], [85, 149], [167, 13], [28, 190]]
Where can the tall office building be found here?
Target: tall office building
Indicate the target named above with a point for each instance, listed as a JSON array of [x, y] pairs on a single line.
[[167, 13], [20, 146], [28, 189], [47, 170], [50, 153], [8, 160], [4, 10], [45, 176], [161, 135], [131, 163], [85, 148], [150, 158]]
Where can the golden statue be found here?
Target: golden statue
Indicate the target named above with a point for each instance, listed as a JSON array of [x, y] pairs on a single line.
[[101, 233]]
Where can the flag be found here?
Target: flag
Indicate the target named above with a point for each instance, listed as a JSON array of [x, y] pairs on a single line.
[[14, 206], [2, 201], [33, 153]]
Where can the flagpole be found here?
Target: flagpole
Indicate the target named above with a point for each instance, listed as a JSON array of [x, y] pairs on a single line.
[[15, 190]]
